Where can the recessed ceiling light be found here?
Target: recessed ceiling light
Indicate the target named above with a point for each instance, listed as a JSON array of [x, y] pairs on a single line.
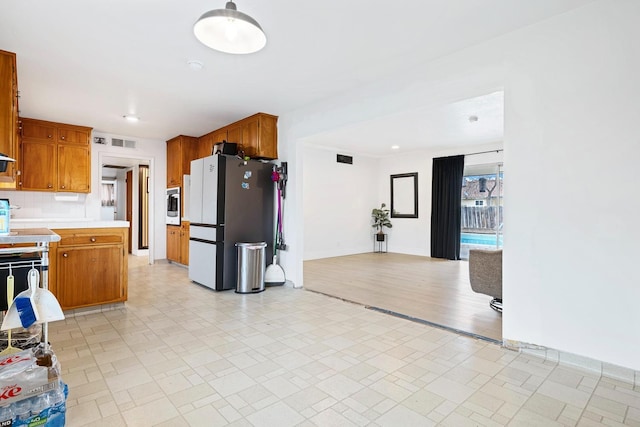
[[395, 147], [195, 65], [131, 118]]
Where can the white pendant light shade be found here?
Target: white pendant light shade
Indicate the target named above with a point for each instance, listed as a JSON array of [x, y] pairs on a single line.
[[230, 31]]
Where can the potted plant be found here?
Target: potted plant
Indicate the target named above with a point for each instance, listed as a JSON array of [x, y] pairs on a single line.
[[380, 220]]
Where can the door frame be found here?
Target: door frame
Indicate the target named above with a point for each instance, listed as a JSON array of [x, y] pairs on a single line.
[[152, 173]]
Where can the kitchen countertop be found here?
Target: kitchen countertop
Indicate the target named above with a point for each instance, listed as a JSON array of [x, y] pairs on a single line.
[[53, 223], [30, 235]]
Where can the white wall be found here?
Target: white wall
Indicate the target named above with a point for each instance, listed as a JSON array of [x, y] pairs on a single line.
[[572, 142], [571, 110], [408, 235], [338, 199], [357, 188], [37, 204], [413, 235]]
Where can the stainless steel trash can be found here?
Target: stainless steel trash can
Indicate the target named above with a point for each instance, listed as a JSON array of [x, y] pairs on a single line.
[[251, 266]]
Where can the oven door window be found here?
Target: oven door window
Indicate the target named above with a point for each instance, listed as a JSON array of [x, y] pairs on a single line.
[[173, 205]]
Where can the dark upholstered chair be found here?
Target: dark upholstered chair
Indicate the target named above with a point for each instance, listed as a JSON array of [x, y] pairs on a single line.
[[485, 274]]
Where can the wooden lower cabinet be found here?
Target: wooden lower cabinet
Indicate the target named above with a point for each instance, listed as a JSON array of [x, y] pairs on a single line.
[[173, 243], [178, 243], [89, 266], [184, 243]]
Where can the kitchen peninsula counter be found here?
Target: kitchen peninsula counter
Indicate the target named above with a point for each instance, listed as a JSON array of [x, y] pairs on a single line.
[[88, 262], [57, 223]]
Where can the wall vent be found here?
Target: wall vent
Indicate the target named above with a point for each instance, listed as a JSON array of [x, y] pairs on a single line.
[[341, 158], [126, 143]]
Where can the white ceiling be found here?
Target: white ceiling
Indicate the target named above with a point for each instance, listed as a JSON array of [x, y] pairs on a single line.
[[91, 62]]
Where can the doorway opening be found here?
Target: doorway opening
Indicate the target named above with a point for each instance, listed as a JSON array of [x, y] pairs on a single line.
[[482, 213], [132, 182]]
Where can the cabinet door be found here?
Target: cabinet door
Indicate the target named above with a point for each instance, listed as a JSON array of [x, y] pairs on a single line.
[[39, 169], [173, 243], [36, 129], [260, 136], [91, 275], [74, 168], [189, 151], [8, 114], [250, 137], [73, 135], [234, 134], [267, 136], [184, 243], [174, 163], [205, 145]]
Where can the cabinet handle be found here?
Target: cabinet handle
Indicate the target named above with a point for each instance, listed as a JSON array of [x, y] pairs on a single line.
[[49, 136], [62, 186], [49, 186], [93, 239], [66, 255], [62, 137]]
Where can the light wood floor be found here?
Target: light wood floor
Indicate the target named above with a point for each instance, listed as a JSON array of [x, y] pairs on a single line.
[[425, 288]]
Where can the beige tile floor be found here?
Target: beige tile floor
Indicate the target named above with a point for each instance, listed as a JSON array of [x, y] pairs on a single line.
[[179, 354]]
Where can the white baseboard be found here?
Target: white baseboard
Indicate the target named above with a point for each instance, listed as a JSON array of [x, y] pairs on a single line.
[[597, 367]]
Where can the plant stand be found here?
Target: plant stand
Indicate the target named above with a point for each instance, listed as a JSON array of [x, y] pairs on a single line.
[[379, 242]]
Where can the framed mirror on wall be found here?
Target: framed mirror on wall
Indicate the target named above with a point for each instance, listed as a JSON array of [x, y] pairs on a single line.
[[404, 195]]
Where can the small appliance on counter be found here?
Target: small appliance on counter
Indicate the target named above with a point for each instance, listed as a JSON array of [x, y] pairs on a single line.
[[5, 215], [224, 147]]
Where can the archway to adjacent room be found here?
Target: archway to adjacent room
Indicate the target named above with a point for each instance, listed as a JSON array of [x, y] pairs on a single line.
[[338, 198]]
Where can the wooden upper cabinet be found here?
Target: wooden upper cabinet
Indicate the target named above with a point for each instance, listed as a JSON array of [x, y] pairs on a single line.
[[256, 136], [206, 142], [74, 135], [8, 116], [74, 166], [37, 129], [181, 150], [260, 136], [39, 172], [234, 134], [55, 157], [189, 153], [174, 163], [205, 145]]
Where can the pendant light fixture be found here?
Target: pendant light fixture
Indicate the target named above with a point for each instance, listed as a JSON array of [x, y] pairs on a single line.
[[230, 31]]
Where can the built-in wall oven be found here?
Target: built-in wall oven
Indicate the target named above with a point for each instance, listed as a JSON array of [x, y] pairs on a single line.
[[173, 206]]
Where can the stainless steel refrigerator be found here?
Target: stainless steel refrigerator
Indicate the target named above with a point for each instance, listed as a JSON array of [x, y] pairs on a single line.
[[231, 201]]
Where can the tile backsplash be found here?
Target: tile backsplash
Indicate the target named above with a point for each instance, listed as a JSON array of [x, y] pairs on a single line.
[[33, 204]]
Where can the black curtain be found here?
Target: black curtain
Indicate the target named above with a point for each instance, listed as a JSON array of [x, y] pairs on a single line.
[[445, 207]]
